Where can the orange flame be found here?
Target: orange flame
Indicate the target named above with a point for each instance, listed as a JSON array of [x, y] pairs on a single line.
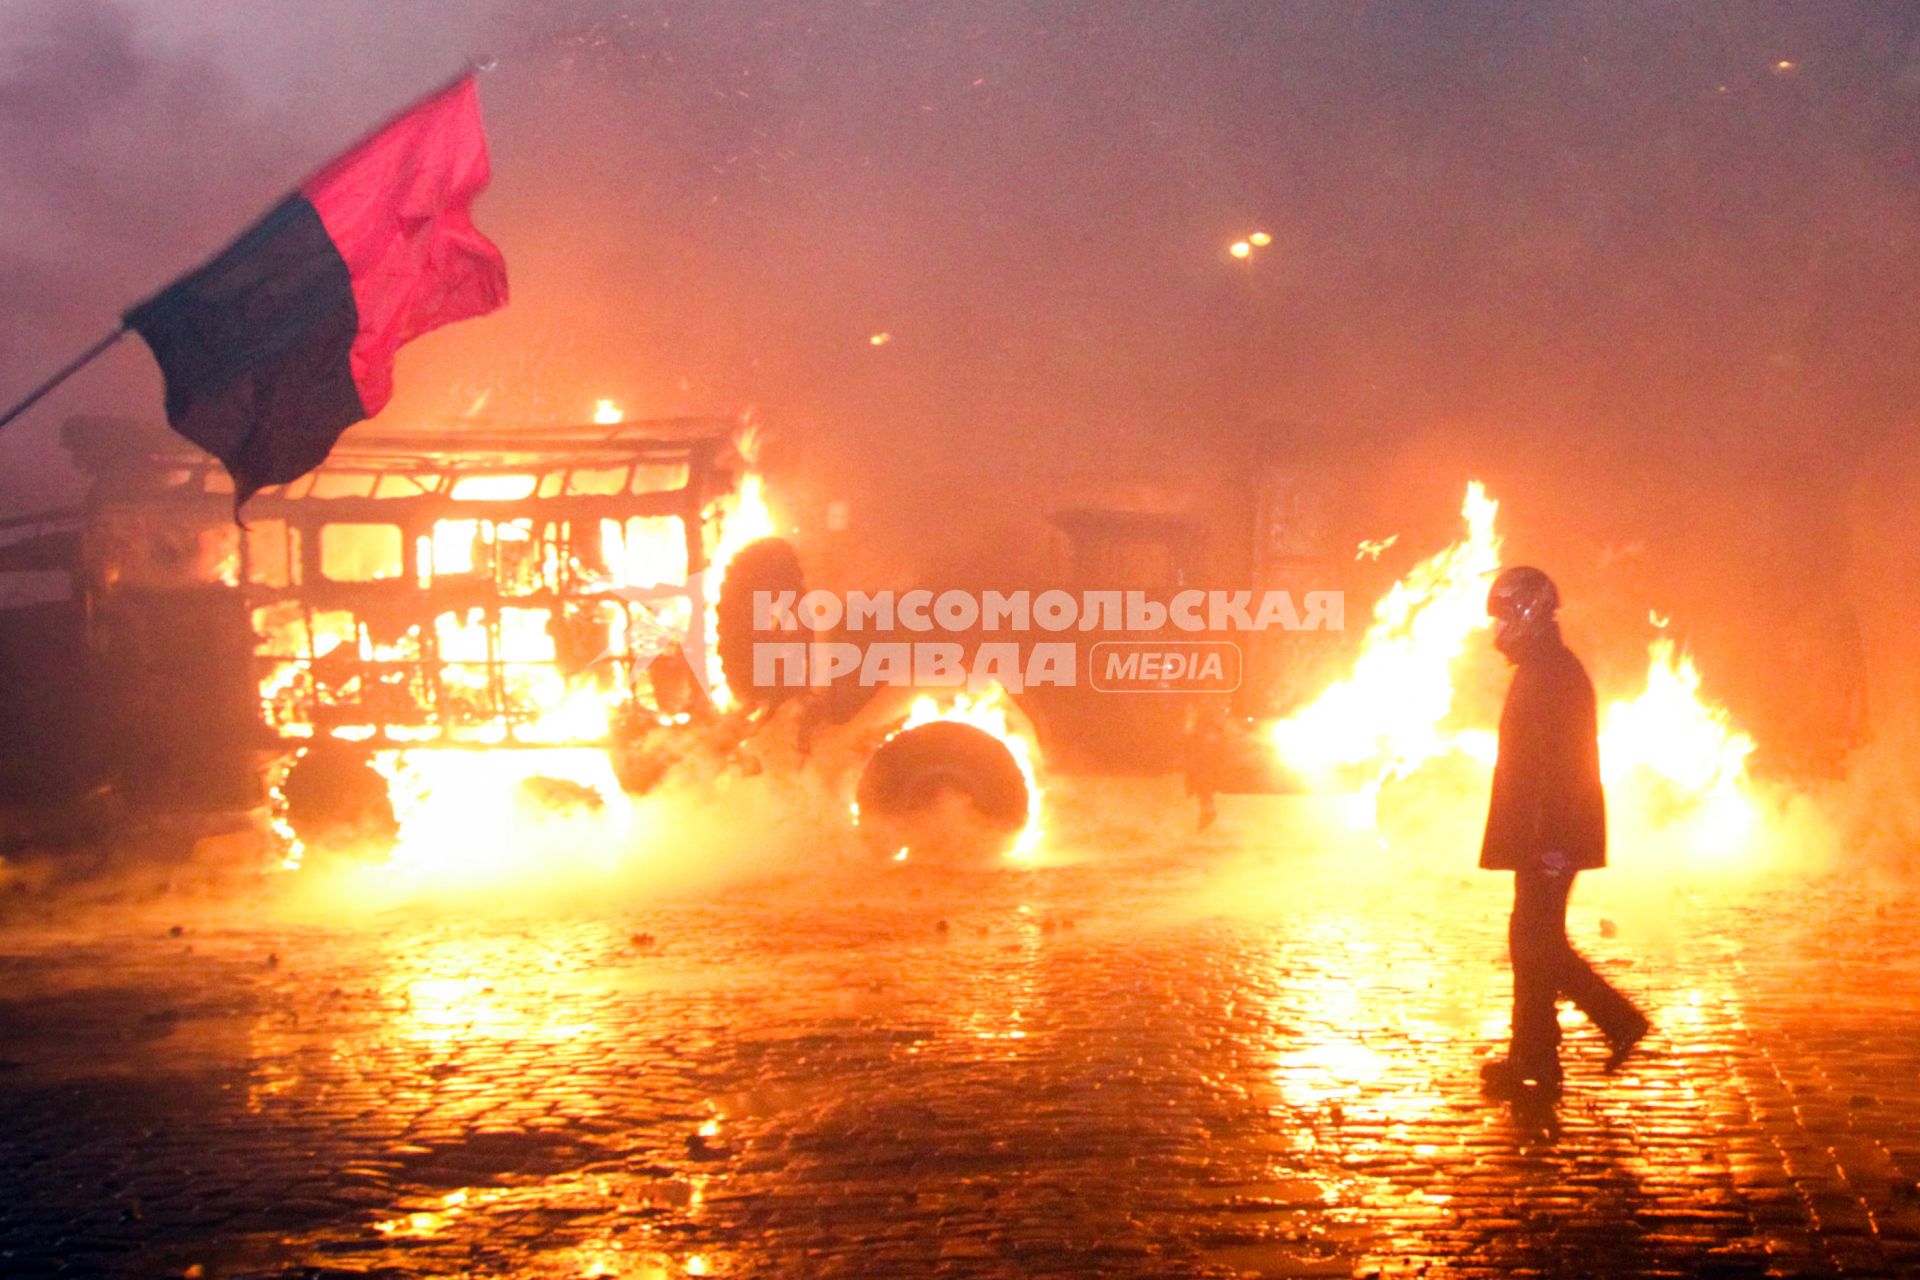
[[1388, 715], [744, 518], [498, 679], [986, 711], [469, 817], [1672, 735], [1667, 752]]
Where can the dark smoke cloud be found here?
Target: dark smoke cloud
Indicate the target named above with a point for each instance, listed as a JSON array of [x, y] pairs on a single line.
[[1651, 270], [137, 137], [114, 164]]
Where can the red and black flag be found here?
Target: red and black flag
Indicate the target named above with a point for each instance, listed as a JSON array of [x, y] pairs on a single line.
[[287, 338]]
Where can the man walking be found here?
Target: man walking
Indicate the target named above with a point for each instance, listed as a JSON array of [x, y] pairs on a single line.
[[1546, 823]]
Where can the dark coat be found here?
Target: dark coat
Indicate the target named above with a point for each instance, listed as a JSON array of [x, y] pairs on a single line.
[[1546, 783]]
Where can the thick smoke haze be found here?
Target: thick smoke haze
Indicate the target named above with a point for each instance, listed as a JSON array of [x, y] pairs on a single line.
[[1652, 271]]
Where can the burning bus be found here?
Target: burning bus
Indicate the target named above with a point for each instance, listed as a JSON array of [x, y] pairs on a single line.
[[467, 593]]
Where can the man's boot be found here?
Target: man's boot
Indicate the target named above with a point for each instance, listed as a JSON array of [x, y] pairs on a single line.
[[1623, 1043]]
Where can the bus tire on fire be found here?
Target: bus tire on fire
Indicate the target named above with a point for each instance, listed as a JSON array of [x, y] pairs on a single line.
[[336, 802], [944, 790], [769, 565]]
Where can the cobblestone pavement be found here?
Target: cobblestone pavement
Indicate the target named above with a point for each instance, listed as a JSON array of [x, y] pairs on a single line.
[[1192, 1060]]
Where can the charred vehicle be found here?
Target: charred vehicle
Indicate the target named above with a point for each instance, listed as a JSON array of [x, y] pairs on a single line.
[[1274, 527], [538, 590]]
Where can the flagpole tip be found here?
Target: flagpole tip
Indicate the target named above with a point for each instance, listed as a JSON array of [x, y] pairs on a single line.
[[482, 63]]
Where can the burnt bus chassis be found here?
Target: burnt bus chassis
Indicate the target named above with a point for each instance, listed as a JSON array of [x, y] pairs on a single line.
[[182, 675], [174, 487]]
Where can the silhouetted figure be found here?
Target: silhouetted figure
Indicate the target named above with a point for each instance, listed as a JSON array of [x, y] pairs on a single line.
[[1546, 823]]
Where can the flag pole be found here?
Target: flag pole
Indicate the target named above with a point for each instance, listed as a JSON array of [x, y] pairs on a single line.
[[72, 367]]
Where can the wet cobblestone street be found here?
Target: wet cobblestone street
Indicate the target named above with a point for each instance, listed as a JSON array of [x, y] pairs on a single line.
[[1192, 1061]]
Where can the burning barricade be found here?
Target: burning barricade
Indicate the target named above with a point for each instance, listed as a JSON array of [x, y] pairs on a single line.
[[432, 620], [468, 654], [439, 647], [1402, 738]]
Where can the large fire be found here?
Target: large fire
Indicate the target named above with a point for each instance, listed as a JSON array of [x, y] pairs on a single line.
[[1395, 711], [475, 816], [1667, 754], [477, 794], [513, 719], [1672, 737]]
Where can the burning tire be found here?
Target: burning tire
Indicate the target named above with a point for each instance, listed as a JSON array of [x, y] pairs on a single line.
[[944, 790], [770, 565], [335, 801]]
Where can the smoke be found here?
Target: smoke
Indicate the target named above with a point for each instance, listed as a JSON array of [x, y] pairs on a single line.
[[1875, 803], [135, 143], [105, 176], [1601, 239]]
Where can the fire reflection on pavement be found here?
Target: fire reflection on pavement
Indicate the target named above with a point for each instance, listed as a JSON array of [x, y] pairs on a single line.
[[1185, 1060]]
